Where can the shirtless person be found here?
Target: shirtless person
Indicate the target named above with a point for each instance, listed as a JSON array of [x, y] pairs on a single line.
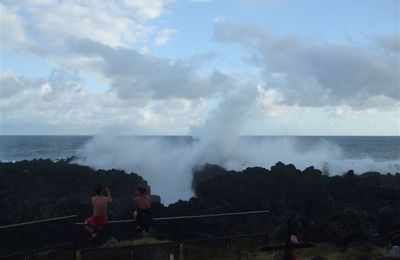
[[99, 203], [142, 213]]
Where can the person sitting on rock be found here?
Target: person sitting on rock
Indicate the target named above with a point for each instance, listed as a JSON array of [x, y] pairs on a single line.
[[142, 212], [99, 203]]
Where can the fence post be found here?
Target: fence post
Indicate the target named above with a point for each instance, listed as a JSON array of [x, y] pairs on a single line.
[[181, 251], [226, 234], [75, 237], [182, 247]]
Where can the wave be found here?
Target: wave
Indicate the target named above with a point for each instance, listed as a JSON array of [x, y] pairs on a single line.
[[167, 163]]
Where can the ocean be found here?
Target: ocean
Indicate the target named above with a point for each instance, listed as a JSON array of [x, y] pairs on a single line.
[[16, 148], [167, 162]]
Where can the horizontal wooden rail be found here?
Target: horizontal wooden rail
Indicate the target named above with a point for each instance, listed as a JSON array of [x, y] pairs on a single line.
[[287, 246], [92, 249], [70, 222], [169, 243], [37, 222], [215, 215], [260, 212], [40, 249]]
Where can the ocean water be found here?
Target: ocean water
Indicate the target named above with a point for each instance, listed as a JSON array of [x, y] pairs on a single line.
[[15, 148], [166, 162]]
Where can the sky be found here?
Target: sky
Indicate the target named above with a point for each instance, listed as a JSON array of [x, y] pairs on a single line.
[[170, 67]]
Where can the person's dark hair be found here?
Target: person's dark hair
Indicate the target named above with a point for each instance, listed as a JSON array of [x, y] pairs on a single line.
[[141, 189], [98, 189]]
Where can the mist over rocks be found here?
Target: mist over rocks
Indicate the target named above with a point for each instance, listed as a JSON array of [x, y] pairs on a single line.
[[167, 162]]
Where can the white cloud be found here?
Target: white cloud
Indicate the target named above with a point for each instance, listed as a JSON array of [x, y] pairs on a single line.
[[164, 36], [148, 9], [60, 104], [149, 94], [117, 23], [13, 36], [318, 74], [45, 89], [57, 100], [347, 111], [102, 23], [14, 91], [269, 102]]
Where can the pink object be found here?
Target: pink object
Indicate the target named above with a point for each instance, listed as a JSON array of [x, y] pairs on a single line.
[[97, 221], [293, 239]]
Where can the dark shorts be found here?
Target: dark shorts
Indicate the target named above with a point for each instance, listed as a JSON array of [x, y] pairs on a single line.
[[144, 219]]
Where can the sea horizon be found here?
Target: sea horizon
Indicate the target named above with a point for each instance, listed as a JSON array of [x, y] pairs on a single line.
[[150, 135]]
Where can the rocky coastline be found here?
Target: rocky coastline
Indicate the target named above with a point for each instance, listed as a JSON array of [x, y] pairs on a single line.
[[335, 209]]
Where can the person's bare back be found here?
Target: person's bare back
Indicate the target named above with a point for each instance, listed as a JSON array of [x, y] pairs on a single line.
[[142, 202], [99, 204]]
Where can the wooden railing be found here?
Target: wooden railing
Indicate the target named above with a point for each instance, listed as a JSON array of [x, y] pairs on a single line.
[[39, 238], [47, 221], [190, 217], [205, 229]]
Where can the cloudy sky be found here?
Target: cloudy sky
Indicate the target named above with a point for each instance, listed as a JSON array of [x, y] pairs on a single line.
[[155, 67]]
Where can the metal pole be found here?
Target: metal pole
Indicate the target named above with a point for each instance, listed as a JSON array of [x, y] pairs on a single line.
[[74, 237], [181, 251]]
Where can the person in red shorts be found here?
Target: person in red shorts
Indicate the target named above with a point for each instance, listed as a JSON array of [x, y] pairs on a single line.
[[99, 203]]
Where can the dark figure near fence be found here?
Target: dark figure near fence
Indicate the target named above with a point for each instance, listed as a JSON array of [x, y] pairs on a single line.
[[142, 211], [99, 203], [291, 238], [291, 243]]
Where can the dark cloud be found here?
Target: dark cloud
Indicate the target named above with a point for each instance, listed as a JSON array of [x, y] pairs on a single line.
[[390, 42], [11, 85], [136, 75], [319, 74]]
